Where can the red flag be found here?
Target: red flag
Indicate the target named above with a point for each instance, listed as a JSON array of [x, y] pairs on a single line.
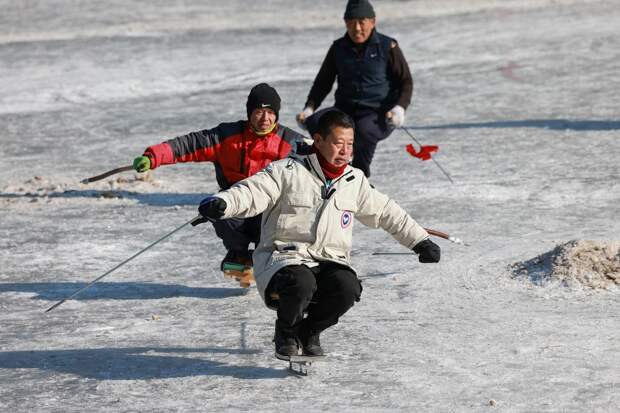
[[424, 153]]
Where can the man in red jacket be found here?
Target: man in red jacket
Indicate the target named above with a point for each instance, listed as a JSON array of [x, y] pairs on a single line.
[[238, 150]]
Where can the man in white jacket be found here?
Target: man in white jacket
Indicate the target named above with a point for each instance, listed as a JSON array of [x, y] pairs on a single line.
[[302, 262]]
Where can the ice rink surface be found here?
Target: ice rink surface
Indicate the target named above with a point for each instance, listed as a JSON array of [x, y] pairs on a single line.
[[520, 96]]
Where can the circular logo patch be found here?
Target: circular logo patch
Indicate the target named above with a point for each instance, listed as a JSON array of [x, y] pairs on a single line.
[[346, 219]]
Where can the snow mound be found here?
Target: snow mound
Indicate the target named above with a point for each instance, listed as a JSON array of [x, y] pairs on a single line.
[[577, 263], [45, 186], [49, 189]]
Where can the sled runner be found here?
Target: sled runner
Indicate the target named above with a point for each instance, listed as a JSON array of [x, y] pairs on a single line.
[[239, 272]]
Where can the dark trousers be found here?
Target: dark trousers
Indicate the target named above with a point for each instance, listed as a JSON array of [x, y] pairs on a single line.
[[238, 233], [325, 292], [370, 129]]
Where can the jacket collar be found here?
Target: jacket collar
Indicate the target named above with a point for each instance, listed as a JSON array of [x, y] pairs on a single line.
[[373, 39], [314, 167], [251, 133]]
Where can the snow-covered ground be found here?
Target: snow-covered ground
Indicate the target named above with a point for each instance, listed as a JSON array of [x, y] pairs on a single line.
[[520, 96]]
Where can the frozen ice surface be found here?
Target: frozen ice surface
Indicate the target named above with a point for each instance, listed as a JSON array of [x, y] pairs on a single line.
[[520, 96]]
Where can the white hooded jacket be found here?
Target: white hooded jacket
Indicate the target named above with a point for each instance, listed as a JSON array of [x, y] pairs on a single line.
[[305, 220]]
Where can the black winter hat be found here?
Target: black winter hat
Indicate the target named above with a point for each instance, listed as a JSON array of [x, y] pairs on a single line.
[[263, 96], [359, 9]]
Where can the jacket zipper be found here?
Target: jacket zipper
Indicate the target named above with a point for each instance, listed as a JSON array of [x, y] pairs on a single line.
[[242, 160], [323, 206]]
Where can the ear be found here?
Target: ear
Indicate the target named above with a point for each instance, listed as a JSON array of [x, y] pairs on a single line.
[[317, 138]]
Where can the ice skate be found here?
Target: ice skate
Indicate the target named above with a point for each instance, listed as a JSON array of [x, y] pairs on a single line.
[[238, 266]]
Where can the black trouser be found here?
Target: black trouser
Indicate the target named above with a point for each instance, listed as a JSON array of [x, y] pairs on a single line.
[[326, 292], [370, 128], [238, 233]]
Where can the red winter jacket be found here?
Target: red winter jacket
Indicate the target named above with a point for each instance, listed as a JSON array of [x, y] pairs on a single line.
[[235, 149]]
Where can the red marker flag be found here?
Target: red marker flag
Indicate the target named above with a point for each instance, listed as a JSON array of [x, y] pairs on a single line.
[[424, 153]]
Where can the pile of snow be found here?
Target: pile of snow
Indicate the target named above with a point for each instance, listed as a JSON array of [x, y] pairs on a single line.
[[585, 263], [43, 187]]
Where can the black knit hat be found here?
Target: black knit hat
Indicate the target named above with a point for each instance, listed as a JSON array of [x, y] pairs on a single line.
[[263, 96], [359, 9]]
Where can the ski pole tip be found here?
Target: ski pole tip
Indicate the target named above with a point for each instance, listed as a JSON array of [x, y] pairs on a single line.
[[459, 241], [54, 306]]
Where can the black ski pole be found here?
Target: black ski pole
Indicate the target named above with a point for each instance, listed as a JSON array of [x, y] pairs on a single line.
[[193, 221], [106, 174], [433, 159]]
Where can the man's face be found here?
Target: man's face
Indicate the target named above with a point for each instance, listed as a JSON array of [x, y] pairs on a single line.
[[359, 30], [262, 120], [337, 147]]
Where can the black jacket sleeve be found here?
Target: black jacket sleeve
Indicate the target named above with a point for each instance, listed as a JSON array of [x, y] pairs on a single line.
[[400, 75], [324, 80]]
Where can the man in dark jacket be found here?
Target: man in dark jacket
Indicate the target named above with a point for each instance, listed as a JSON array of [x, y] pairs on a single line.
[[238, 150], [374, 82]]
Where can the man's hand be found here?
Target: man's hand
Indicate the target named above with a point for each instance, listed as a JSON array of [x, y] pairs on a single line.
[[302, 116], [427, 251], [396, 116], [142, 163], [212, 208]]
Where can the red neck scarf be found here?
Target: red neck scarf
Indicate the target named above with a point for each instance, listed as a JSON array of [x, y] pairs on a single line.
[[330, 170]]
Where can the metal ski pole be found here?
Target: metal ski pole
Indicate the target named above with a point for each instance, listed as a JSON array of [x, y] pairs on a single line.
[[393, 253], [433, 159], [445, 236], [106, 174], [433, 232], [193, 221]]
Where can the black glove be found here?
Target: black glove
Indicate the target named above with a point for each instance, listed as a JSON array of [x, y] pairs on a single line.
[[427, 251], [212, 208]]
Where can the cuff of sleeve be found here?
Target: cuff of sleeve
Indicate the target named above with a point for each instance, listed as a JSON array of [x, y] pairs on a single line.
[[420, 239], [160, 155], [403, 103]]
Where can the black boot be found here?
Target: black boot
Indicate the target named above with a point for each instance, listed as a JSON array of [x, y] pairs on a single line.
[[238, 265], [285, 342], [310, 343], [234, 258]]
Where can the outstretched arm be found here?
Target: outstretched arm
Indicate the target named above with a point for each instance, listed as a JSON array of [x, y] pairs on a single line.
[[200, 146], [377, 210]]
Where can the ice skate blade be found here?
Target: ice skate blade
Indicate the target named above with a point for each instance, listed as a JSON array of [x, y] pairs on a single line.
[[299, 364], [300, 358]]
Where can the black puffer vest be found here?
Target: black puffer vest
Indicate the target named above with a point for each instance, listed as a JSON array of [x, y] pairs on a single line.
[[363, 73]]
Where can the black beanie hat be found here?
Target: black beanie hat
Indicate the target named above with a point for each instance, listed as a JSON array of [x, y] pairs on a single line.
[[263, 96], [359, 9]]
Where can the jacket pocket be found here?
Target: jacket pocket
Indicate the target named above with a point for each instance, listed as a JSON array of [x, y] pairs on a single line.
[[344, 203], [298, 213], [301, 199], [339, 238]]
